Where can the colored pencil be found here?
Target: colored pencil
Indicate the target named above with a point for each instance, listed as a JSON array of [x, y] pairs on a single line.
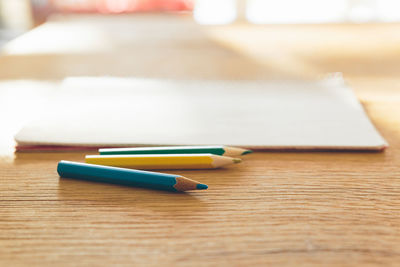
[[154, 180], [216, 150], [163, 161]]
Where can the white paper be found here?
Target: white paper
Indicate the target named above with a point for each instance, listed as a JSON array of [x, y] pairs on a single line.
[[108, 111]]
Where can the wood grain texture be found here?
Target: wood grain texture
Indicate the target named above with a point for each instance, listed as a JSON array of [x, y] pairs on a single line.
[[281, 209]]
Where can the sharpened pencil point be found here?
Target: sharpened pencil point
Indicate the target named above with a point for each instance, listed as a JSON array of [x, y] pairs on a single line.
[[201, 186], [235, 160], [247, 152]]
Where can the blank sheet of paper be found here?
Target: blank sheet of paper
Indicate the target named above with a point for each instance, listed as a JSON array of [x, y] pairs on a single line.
[[106, 111]]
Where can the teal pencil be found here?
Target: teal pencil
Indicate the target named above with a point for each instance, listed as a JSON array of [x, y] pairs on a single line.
[[216, 150], [154, 180]]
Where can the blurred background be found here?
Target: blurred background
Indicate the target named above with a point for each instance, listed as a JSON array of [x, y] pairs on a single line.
[[202, 40], [17, 16]]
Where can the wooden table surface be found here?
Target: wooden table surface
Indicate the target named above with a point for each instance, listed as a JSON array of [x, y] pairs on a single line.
[[275, 208]]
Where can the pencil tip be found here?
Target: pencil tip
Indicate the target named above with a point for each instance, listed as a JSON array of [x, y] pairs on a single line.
[[247, 152], [236, 160], [201, 186]]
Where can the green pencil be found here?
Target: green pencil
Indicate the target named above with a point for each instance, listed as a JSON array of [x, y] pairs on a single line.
[[216, 150]]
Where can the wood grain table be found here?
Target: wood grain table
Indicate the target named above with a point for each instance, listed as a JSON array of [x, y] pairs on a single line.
[[284, 209]]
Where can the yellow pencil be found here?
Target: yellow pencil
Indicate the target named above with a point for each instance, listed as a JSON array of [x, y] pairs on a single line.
[[163, 161]]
